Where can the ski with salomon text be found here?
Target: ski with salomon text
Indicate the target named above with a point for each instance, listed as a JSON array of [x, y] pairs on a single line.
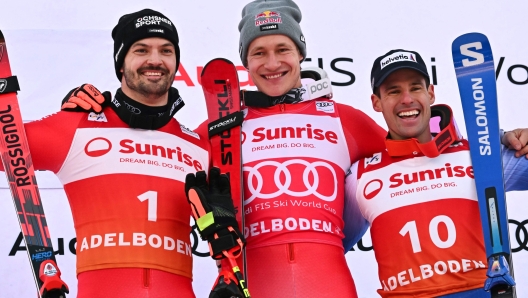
[[475, 71]]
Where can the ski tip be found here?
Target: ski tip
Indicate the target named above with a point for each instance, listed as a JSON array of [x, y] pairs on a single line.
[[470, 37], [1, 35], [472, 49], [214, 61]]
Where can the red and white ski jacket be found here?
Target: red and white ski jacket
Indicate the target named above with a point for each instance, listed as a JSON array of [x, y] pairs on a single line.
[[125, 187], [294, 161], [425, 223]]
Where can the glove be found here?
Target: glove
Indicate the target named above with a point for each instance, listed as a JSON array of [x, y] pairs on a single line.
[[214, 213], [52, 285], [85, 98], [226, 286]]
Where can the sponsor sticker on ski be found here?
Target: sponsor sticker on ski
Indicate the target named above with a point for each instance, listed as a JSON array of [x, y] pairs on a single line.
[[50, 270]]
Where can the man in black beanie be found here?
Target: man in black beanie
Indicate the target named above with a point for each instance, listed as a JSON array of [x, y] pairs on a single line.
[[124, 169]]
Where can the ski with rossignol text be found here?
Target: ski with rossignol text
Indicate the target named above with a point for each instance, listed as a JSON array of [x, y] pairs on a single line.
[[219, 80], [475, 71], [18, 166]]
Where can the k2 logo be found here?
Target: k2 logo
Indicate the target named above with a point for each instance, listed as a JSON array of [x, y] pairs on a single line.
[[478, 57]]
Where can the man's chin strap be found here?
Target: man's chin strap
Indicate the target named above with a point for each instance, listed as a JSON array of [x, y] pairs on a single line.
[[151, 122], [447, 136]]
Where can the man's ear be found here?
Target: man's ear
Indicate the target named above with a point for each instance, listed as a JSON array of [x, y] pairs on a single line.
[[431, 92], [376, 103]]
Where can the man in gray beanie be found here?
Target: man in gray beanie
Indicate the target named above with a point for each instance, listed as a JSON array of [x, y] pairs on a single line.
[[294, 189]]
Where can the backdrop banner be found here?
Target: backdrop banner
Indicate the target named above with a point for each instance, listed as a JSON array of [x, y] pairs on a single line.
[[55, 46]]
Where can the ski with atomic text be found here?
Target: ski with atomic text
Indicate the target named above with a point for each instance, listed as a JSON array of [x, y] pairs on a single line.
[[475, 72]]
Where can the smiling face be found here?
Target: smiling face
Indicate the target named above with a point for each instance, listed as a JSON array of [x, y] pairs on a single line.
[[405, 101], [148, 71], [274, 64]]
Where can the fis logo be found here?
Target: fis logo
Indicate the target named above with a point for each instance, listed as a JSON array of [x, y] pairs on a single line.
[[397, 57], [375, 159], [97, 117]]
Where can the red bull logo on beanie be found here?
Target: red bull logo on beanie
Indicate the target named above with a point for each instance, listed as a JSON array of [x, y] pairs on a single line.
[[152, 20], [267, 17], [397, 57]]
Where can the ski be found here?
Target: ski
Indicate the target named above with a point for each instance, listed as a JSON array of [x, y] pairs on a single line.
[[219, 80], [475, 72], [18, 166]]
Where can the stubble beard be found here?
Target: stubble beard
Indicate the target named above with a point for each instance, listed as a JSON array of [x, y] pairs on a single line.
[[147, 88]]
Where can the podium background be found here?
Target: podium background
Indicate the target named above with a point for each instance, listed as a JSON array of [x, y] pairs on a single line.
[[57, 45]]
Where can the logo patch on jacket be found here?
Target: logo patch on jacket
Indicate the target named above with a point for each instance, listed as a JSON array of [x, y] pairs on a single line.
[[93, 116], [375, 159], [189, 132], [325, 106]]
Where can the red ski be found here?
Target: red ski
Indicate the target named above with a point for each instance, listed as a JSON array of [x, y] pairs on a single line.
[[219, 81], [18, 166]]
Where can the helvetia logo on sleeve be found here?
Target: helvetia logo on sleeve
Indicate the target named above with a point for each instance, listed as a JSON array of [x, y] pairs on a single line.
[[397, 57]]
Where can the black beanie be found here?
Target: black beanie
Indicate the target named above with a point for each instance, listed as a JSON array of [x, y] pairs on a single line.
[[139, 25]]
